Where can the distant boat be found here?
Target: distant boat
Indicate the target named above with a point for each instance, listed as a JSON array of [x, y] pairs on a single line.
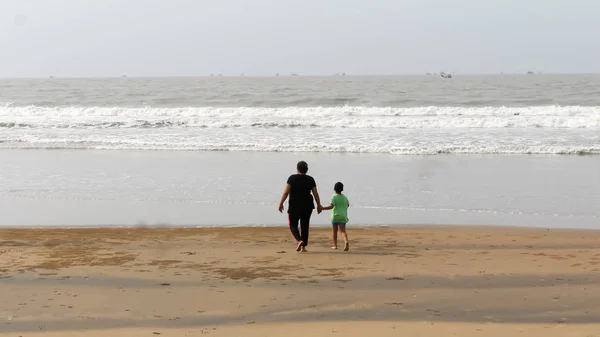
[[530, 73], [294, 74], [444, 75], [277, 74]]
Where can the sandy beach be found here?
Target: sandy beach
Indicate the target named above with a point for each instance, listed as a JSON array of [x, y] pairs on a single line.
[[408, 281]]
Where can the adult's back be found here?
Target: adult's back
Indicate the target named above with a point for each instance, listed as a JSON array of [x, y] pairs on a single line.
[[301, 199]]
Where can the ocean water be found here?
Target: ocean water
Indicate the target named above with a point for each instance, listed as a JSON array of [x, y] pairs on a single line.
[[536, 114], [496, 150]]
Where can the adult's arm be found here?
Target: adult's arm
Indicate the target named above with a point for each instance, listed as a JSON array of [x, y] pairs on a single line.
[[284, 196], [315, 193]]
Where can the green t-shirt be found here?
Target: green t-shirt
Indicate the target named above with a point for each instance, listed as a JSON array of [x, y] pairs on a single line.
[[340, 208]]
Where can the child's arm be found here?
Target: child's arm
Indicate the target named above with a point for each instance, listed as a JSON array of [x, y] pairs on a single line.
[[326, 208]]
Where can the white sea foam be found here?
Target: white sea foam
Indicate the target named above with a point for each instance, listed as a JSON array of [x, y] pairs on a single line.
[[263, 145], [571, 117], [421, 130]]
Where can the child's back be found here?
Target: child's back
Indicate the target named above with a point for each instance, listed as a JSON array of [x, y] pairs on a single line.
[[340, 208]]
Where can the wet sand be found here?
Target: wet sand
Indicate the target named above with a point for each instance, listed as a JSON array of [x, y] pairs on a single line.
[[416, 281], [77, 188]]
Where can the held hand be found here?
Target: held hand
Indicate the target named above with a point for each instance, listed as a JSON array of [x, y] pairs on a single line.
[[319, 209], [280, 208]]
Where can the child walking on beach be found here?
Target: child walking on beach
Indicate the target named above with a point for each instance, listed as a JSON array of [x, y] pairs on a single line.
[[339, 217]]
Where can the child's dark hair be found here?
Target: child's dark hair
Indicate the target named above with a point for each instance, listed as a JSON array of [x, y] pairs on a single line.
[[338, 187]]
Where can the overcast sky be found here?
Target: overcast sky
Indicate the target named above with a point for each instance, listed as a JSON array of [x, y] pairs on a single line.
[[264, 37]]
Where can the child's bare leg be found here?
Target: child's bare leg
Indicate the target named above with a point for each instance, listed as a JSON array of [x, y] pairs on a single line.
[[345, 236], [335, 230]]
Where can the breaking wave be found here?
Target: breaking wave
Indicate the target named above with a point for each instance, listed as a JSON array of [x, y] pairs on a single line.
[[302, 117]]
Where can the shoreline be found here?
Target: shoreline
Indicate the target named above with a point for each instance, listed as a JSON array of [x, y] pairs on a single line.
[[575, 153], [317, 227], [206, 189]]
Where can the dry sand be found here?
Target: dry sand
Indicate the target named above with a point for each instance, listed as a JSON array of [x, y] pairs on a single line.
[[410, 281]]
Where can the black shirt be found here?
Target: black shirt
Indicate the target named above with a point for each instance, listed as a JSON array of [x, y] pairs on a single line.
[[301, 199]]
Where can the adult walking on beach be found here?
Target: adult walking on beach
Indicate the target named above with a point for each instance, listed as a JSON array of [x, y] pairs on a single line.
[[300, 206]]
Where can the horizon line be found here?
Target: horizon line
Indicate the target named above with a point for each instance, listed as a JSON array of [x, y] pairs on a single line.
[[296, 75]]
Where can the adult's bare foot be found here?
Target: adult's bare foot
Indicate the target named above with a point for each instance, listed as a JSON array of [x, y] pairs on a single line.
[[303, 249], [299, 248]]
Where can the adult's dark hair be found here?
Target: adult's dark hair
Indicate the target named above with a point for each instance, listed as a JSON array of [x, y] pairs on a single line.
[[338, 187], [302, 167]]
